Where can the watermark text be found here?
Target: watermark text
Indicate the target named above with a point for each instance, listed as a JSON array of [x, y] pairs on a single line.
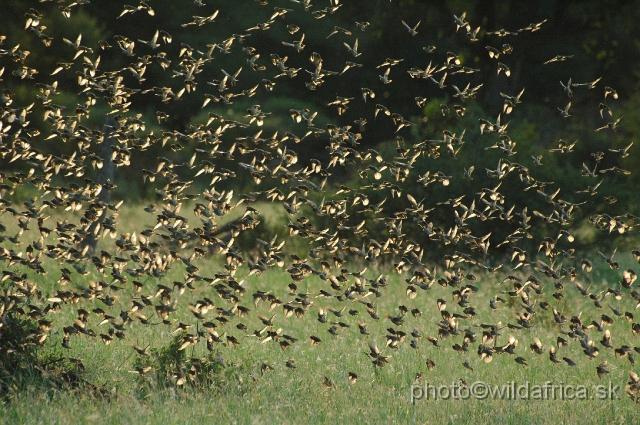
[[512, 390]]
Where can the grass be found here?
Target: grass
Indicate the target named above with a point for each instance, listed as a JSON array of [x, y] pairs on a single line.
[[285, 396], [240, 393], [235, 389]]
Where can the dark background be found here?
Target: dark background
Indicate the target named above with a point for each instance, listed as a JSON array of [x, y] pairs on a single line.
[[602, 37]]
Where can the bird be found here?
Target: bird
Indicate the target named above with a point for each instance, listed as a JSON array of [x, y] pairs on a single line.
[[533, 27], [77, 46], [366, 92], [461, 22], [567, 88], [602, 369], [609, 91], [502, 33], [362, 26], [493, 52], [521, 360], [141, 351], [611, 125], [328, 383], [412, 30], [473, 35], [467, 364], [565, 112], [384, 78], [430, 364], [353, 50], [504, 68], [297, 45], [429, 49], [337, 30], [511, 101], [604, 108], [389, 62], [558, 58], [589, 85], [624, 152]]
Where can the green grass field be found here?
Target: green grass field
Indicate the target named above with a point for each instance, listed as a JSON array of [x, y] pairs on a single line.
[[240, 391]]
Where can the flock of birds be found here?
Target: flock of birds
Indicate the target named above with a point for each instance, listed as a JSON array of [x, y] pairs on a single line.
[[109, 306]]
